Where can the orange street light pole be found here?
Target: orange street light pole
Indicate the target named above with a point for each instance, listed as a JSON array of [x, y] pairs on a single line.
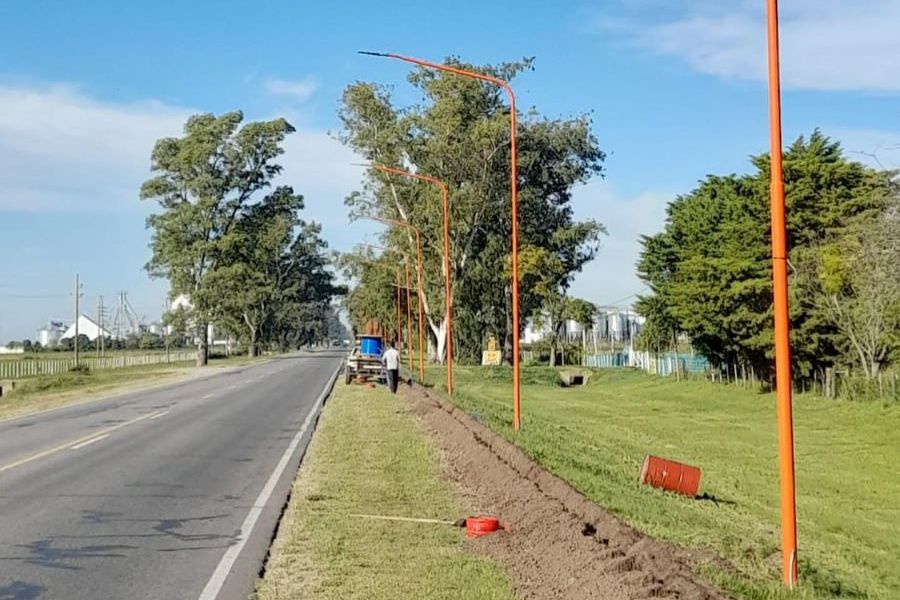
[[514, 189], [419, 277], [408, 301], [782, 319], [399, 318], [447, 295]]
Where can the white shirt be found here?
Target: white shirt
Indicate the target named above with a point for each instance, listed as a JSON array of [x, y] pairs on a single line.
[[391, 359]]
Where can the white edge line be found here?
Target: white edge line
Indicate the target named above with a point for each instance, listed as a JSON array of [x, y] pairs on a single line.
[[217, 581], [90, 441], [158, 415]]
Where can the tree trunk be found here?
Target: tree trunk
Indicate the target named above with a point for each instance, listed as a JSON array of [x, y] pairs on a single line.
[[440, 336], [552, 352], [203, 346], [252, 347]]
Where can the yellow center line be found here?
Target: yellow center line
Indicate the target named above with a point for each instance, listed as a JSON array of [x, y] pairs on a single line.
[[69, 444]]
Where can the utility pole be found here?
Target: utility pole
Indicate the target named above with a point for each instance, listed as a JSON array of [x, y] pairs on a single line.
[[77, 294], [101, 314]]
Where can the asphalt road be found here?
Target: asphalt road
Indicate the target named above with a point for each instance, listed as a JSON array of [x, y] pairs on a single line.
[[167, 493]]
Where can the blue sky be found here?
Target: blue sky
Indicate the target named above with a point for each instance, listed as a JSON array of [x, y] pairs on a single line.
[[675, 88]]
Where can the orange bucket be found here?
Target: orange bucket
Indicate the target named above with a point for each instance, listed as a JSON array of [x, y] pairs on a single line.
[[670, 475], [478, 526]]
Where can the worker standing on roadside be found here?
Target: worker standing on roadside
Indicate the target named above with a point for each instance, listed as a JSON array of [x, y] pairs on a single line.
[[391, 361]]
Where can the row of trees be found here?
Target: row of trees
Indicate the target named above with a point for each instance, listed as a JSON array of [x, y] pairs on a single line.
[[709, 270], [461, 136], [231, 243], [146, 341]]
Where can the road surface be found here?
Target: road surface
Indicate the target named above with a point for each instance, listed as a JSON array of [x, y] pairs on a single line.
[[168, 493]]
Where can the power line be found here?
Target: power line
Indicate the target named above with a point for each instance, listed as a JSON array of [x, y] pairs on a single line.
[[34, 296], [621, 300]]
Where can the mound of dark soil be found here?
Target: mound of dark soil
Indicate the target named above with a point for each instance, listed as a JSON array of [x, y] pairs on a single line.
[[560, 544]]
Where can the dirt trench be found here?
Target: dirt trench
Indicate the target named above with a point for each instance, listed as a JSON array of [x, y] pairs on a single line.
[[560, 544]]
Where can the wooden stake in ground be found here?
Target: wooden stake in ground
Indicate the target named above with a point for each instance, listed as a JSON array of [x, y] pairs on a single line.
[[457, 523]]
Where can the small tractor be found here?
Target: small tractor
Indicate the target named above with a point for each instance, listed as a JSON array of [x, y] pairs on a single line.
[[364, 361]]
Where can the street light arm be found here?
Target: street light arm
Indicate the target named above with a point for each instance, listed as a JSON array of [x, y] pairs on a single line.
[[442, 67], [401, 172]]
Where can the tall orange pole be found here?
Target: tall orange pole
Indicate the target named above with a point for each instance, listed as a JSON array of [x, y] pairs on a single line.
[[514, 201], [409, 343], [782, 322], [448, 298], [399, 318], [419, 277]]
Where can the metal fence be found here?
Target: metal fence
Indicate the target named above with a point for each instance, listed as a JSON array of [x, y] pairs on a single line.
[[658, 364], [34, 367]]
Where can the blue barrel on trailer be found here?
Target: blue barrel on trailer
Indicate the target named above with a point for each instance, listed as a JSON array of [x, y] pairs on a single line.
[[371, 345]]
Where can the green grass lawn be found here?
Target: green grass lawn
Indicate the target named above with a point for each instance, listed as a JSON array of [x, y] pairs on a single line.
[[848, 482], [369, 457]]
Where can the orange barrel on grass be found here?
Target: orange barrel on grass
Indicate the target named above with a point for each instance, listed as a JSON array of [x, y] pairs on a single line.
[[670, 475]]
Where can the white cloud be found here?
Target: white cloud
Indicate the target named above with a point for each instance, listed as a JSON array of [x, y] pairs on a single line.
[[61, 150], [611, 277], [64, 151], [825, 44], [299, 91], [323, 170]]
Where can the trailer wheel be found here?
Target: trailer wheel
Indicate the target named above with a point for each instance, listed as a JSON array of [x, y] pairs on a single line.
[[348, 376]]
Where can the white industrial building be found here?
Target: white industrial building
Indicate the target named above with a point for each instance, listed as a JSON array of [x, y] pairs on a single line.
[[616, 325], [49, 335], [86, 327], [611, 326], [533, 333]]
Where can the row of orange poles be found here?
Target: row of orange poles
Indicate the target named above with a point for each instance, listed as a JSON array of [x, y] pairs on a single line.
[[409, 344], [779, 260], [399, 331], [419, 286], [448, 294], [514, 240]]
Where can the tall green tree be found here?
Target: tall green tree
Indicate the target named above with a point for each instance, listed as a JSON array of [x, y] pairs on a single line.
[[461, 136], [709, 270], [374, 297], [203, 181], [855, 283]]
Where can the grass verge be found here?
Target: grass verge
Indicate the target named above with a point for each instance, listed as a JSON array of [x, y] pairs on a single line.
[[369, 457], [44, 392], [596, 436]]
